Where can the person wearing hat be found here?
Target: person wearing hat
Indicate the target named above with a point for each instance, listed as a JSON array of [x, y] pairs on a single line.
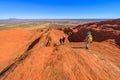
[[88, 39]]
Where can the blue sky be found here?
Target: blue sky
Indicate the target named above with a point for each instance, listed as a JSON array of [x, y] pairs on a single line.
[[59, 9]]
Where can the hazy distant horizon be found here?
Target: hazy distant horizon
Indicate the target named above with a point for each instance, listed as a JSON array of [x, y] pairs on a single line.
[[59, 18]]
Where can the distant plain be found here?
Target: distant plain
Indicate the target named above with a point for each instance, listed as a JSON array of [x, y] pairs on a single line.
[[40, 24]]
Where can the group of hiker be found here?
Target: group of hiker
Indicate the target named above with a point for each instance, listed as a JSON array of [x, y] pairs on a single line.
[[62, 40], [87, 40]]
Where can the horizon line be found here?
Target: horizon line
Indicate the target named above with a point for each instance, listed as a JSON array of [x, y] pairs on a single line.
[[53, 18]]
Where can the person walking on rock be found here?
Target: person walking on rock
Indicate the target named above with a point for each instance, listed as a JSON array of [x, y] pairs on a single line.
[[88, 39], [61, 40]]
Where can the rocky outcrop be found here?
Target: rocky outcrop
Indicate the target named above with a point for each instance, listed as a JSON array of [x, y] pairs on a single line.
[[101, 31], [38, 55]]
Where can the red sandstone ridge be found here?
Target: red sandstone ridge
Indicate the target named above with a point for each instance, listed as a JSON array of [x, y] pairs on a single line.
[[38, 55]]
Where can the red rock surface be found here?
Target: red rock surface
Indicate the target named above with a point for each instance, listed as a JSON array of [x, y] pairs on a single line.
[[41, 57], [101, 31], [11, 41]]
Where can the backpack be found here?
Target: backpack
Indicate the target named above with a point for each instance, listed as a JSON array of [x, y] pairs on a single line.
[[90, 39]]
